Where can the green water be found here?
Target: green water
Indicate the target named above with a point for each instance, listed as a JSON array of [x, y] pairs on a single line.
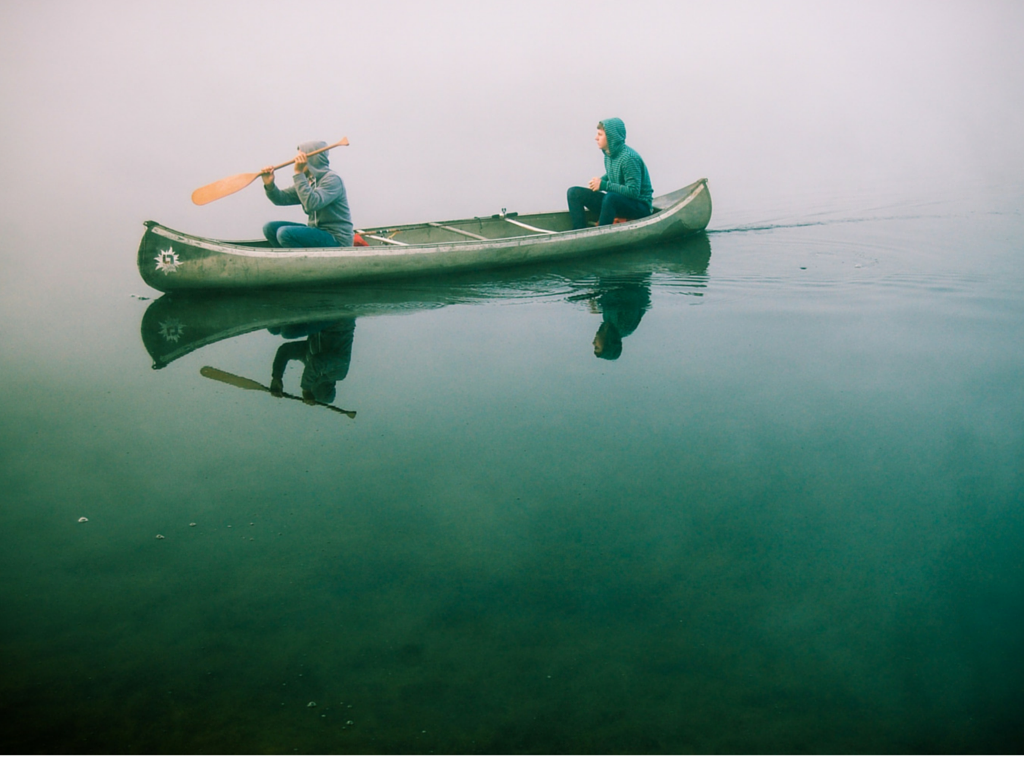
[[787, 518]]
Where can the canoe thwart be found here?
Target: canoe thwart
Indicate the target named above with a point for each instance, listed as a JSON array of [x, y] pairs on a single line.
[[510, 220], [457, 230], [387, 240]]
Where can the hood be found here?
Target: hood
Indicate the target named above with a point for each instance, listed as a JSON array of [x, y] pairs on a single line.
[[615, 130], [318, 164]]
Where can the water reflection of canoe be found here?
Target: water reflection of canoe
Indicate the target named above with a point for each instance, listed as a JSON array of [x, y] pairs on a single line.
[[173, 261], [179, 323]]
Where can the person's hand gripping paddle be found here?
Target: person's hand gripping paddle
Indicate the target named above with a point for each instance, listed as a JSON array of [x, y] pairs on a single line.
[[232, 184]]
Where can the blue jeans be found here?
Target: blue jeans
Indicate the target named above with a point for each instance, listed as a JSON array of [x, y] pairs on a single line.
[[288, 234], [611, 205]]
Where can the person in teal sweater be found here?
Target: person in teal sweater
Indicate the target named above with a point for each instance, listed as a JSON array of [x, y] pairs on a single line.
[[624, 192]]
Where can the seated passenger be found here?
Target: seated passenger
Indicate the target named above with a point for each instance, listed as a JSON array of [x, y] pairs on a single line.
[[624, 192], [321, 193]]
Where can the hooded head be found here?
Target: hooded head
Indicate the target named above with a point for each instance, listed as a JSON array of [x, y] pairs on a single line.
[[608, 342], [615, 130], [318, 164]]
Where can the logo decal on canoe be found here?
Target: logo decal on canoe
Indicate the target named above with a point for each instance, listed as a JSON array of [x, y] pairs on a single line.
[[167, 260], [171, 329]]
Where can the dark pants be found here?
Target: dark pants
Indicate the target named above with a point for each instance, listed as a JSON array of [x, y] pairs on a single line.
[[611, 205], [288, 234]]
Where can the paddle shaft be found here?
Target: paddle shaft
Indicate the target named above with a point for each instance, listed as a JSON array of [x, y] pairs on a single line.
[[342, 143], [232, 184]]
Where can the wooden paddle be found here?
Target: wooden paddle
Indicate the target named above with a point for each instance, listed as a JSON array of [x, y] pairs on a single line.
[[243, 383], [232, 184]]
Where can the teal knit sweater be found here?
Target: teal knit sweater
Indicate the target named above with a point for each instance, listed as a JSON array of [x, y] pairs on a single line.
[[625, 171]]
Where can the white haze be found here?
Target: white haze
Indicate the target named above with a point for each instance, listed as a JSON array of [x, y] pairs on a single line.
[[114, 112]]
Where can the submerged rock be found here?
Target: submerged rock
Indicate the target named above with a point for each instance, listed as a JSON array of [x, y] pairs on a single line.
[[160, 536], [83, 519], [311, 704]]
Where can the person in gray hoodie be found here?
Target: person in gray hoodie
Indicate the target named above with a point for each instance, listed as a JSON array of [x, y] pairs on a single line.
[[321, 193]]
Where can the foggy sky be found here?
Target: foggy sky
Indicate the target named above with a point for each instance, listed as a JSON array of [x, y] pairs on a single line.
[[458, 109]]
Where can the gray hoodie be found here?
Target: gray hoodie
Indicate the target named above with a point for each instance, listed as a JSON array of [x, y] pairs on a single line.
[[323, 199]]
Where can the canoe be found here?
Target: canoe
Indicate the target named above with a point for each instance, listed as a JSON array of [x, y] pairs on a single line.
[[174, 261], [180, 323]]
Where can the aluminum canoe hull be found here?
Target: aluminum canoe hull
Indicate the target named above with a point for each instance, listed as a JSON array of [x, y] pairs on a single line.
[[169, 260]]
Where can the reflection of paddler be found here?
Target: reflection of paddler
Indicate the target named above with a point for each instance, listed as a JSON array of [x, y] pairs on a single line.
[[621, 307], [325, 353], [243, 383]]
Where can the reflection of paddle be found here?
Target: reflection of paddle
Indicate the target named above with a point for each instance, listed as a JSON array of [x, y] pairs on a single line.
[[233, 184], [243, 383]]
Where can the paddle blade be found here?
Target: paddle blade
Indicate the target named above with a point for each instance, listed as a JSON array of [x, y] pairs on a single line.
[[223, 188], [230, 378]]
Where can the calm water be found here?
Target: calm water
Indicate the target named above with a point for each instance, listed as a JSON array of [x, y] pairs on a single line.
[[787, 518]]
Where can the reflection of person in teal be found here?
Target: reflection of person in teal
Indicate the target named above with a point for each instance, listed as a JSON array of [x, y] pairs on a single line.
[[622, 306], [325, 352]]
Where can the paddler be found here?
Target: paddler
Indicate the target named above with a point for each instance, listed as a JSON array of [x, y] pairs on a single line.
[[624, 192], [321, 193]]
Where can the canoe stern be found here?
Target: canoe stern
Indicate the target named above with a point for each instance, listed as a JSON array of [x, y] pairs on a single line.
[[168, 260], [162, 260]]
